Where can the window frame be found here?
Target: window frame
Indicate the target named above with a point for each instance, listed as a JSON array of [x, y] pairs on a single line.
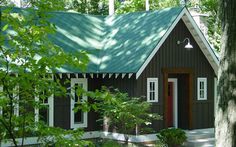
[[199, 80], [15, 96], [84, 124], [155, 80], [50, 104]]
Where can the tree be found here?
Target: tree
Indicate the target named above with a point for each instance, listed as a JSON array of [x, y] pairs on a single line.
[[226, 104], [123, 113], [210, 7], [28, 62], [139, 5], [95, 7]]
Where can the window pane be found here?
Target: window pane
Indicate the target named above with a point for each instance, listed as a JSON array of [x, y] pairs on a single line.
[[201, 85], [153, 86], [45, 101], [76, 88], [44, 114], [78, 116], [150, 86], [76, 96], [201, 93], [153, 95]]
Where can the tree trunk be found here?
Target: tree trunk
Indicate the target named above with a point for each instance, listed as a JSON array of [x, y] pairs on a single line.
[[225, 122]]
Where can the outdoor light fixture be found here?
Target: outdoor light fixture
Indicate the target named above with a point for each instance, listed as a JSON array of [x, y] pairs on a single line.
[[188, 45]]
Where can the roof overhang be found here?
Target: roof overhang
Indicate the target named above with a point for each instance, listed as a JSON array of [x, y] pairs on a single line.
[[197, 35], [96, 75]]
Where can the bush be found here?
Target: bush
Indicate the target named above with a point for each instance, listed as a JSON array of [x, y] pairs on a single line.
[[110, 143], [172, 137]]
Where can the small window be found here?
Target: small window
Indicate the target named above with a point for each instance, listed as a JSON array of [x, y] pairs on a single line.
[[78, 118], [152, 89], [202, 88], [15, 95], [45, 113]]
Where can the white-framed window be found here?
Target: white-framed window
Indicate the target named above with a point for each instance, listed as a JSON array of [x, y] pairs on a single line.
[[78, 118], [202, 88], [15, 95], [152, 89], [46, 113]]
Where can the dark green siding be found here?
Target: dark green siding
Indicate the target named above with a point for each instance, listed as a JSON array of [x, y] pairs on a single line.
[[171, 55]]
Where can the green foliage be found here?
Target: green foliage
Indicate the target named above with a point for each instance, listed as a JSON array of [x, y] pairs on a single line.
[[28, 59], [172, 136], [124, 113], [139, 5], [110, 143], [100, 7], [96, 7], [210, 7], [59, 137]]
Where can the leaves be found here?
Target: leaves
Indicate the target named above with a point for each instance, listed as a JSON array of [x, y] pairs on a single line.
[[5, 27], [30, 60], [124, 112]]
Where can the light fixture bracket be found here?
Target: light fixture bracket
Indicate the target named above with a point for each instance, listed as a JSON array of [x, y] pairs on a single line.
[[188, 45]]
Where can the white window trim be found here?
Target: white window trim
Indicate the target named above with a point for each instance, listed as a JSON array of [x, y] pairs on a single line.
[[1, 90], [204, 80], [50, 107], [51, 111], [16, 96], [155, 80], [85, 114]]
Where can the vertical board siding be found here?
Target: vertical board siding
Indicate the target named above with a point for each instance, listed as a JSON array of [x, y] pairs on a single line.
[[62, 103], [171, 55]]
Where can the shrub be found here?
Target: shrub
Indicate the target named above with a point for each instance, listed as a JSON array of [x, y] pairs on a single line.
[[110, 143], [172, 137]]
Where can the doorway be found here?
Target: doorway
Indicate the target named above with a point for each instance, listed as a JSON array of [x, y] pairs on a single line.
[[172, 116], [183, 102]]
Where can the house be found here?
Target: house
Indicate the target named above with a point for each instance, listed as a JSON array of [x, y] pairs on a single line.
[[143, 54]]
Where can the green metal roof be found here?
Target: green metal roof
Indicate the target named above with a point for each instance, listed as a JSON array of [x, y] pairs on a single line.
[[117, 43]]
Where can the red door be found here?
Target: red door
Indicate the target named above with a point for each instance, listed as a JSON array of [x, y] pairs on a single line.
[[170, 105]]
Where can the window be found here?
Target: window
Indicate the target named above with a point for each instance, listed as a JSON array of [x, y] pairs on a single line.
[[15, 95], [202, 88], [152, 89], [45, 113], [78, 118]]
